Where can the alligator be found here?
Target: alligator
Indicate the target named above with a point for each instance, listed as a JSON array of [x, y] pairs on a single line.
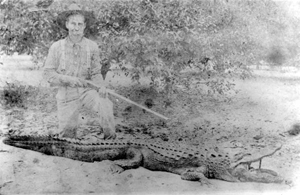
[[191, 163]]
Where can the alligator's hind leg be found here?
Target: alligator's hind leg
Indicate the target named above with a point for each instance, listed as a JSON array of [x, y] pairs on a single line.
[[133, 159]]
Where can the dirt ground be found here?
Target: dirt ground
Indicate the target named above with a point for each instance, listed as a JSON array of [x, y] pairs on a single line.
[[257, 117]]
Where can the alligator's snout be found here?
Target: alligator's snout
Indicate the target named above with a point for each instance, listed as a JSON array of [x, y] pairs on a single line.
[[256, 175]]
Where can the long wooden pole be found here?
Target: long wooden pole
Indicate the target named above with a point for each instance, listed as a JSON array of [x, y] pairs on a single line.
[[134, 103], [127, 100]]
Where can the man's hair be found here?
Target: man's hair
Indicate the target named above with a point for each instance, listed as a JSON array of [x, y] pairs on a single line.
[[74, 14]]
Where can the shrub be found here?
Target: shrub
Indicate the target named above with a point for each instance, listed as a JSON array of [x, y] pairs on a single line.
[[160, 39], [14, 95]]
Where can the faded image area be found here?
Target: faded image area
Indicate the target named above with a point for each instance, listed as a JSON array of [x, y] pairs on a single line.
[[149, 96]]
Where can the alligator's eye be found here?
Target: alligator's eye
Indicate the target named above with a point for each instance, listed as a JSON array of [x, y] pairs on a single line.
[[212, 155]]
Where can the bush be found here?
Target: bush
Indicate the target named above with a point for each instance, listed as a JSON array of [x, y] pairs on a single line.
[[14, 95], [160, 39]]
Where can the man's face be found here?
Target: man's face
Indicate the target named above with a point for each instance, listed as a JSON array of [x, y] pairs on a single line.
[[76, 25]]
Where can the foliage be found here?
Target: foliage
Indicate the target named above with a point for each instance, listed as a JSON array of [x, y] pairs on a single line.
[[26, 31], [159, 39], [13, 95]]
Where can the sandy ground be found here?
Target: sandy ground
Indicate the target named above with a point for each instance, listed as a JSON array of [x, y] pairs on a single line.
[[266, 106]]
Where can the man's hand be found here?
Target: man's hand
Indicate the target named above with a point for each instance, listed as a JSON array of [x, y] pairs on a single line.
[[69, 81], [76, 82], [84, 83], [100, 89], [89, 84]]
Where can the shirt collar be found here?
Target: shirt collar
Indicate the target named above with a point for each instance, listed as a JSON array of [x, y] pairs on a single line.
[[80, 43]]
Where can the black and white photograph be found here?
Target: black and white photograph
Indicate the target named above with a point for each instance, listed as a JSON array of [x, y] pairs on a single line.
[[150, 97]]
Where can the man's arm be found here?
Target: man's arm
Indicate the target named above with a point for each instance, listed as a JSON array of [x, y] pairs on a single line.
[[50, 71]]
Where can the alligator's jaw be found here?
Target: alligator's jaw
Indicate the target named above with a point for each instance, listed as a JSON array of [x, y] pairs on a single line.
[[241, 169], [256, 175]]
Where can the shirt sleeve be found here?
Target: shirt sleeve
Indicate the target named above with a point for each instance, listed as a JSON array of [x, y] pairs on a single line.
[[51, 65]]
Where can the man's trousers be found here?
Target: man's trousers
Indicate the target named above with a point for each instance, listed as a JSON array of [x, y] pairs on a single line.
[[69, 102]]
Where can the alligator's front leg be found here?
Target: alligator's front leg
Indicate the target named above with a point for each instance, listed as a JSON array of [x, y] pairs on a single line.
[[193, 174], [133, 159]]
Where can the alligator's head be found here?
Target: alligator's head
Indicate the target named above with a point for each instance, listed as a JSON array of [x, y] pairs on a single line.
[[244, 174], [42, 144], [240, 170]]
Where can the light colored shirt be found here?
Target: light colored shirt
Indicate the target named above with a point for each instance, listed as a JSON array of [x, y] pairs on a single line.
[[72, 59], [78, 59]]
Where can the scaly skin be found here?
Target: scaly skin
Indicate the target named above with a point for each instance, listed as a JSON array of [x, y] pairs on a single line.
[[194, 164]]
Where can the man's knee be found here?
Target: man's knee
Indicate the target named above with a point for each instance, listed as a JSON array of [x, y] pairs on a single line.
[[89, 98]]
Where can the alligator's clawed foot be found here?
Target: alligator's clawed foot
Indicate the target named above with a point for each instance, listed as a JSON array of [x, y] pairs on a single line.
[[116, 169], [257, 175], [205, 181]]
